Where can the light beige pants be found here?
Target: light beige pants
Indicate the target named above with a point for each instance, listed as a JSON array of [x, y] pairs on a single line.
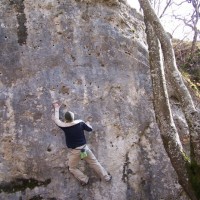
[[74, 158]]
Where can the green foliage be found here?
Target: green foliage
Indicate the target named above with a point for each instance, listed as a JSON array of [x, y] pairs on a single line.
[[194, 173]]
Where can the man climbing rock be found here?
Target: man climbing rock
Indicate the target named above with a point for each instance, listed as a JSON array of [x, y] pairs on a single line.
[[78, 149]]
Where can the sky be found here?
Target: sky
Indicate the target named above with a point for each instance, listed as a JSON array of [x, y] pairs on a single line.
[[171, 25]]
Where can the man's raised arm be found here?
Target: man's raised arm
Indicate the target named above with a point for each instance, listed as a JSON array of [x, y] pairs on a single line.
[[56, 115]]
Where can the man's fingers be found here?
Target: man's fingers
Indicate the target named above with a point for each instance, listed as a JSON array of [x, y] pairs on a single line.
[[56, 103]]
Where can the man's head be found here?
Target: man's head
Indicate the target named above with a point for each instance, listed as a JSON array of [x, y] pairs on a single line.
[[69, 116]]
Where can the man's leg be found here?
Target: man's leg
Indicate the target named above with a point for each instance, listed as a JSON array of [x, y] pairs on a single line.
[[74, 158], [94, 164]]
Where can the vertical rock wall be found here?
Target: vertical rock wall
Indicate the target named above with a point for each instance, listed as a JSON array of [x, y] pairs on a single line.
[[92, 56]]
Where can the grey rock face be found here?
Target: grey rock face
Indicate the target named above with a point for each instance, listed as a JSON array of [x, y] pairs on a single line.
[[92, 56]]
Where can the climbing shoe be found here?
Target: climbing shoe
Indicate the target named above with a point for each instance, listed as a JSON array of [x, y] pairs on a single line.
[[109, 179], [84, 183]]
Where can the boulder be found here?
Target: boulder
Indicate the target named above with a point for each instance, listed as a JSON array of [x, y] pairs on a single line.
[[93, 57]]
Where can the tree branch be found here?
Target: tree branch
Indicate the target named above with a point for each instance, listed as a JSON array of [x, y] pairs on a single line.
[[164, 10], [191, 114], [162, 108]]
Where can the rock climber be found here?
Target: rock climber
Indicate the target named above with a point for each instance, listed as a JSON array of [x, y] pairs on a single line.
[[78, 148]]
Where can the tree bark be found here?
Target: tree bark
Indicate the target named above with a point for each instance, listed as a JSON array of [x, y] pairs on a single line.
[[164, 118], [195, 19], [194, 41], [191, 113]]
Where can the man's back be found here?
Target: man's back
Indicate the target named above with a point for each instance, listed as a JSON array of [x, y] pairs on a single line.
[[74, 134]]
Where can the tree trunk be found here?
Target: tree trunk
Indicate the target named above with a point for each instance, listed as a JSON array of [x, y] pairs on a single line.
[[183, 95], [194, 41], [164, 118]]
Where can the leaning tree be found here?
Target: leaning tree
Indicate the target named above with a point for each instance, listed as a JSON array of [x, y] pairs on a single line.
[[162, 63]]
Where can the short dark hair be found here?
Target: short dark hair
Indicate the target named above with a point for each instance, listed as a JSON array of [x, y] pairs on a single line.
[[69, 116]]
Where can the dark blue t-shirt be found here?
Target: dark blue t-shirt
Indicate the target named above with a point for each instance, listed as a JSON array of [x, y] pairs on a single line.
[[74, 135]]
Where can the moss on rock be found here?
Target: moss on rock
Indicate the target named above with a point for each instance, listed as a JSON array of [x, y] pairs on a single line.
[[194, 172], [21, 184]]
